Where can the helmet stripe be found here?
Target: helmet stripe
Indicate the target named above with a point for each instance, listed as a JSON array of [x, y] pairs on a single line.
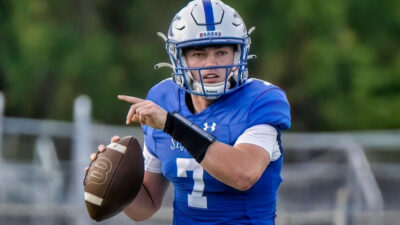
[[209, 13]]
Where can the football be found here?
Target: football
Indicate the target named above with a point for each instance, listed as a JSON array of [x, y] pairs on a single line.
[[114, 178]]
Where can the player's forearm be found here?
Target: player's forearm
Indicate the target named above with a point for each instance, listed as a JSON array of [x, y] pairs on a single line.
[[239, 167], [143, 207], [149, 198]]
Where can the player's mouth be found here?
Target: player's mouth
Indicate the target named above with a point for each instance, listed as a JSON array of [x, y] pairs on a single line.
[[210, 78]]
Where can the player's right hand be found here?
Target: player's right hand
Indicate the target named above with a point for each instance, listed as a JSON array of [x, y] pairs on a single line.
[[101, 148]]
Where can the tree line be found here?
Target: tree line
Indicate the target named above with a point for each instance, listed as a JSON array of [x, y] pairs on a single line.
[[338, 61]]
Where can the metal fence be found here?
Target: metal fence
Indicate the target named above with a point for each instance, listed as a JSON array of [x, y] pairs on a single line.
[[328, 177]]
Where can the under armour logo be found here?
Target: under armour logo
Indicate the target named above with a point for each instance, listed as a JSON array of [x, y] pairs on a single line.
[[212, 127]]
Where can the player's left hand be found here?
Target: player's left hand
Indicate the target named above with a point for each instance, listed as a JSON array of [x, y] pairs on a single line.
[[144, 112]]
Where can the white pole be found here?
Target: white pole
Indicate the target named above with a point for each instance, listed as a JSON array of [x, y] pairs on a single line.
[[2, 104], [82, 147]]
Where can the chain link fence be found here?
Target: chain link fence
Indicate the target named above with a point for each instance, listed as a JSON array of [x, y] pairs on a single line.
[[329, 178]]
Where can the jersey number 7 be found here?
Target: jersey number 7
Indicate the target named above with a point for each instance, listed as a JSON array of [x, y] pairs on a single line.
[[196, 198]]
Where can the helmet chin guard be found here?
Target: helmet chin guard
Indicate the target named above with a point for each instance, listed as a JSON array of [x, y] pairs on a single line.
[[207, 23]]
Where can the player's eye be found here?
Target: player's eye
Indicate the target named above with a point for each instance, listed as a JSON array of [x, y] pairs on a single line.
[[198, 54], [222, 53]]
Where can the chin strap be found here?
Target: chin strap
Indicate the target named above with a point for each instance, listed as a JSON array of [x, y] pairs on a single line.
[[252, 57], [253, 28], [162, 36], [213, 88], [163, 65]]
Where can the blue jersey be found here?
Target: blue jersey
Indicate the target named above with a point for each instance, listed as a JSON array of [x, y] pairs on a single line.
[[199, 197]]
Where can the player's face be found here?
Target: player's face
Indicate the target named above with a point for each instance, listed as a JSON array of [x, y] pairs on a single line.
[[210, 56]]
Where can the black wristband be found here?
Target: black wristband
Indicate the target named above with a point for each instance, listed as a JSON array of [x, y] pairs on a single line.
[[193, 138]]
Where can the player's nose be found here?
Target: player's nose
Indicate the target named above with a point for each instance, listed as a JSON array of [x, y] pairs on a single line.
[[210, 60]]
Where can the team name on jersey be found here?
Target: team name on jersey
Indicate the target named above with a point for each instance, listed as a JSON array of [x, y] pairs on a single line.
[[176, 146]]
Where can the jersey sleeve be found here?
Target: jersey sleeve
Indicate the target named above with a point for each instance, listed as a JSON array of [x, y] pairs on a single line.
[[264, 136], [161, 95], [270, 107], [151, 162]]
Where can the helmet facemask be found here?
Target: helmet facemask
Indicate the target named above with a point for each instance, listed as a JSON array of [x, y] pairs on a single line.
[[196, 85]]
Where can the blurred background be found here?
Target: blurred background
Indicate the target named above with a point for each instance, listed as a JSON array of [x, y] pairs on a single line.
[[62, 64]]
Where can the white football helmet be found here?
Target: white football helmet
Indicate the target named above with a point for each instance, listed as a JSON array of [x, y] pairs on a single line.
[[204, 23]]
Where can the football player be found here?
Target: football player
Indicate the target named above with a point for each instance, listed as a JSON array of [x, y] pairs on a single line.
[[211, 131]]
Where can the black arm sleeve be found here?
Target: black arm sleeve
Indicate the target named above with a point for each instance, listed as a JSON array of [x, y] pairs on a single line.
[[193, 138]]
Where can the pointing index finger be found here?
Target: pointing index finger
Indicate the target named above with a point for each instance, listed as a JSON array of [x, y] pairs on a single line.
[[130, 99]]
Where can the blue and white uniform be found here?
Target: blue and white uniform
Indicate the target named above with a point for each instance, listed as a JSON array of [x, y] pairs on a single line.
[[233, 118]]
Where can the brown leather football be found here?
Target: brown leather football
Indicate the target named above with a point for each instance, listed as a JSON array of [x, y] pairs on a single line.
[[114, 178]]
